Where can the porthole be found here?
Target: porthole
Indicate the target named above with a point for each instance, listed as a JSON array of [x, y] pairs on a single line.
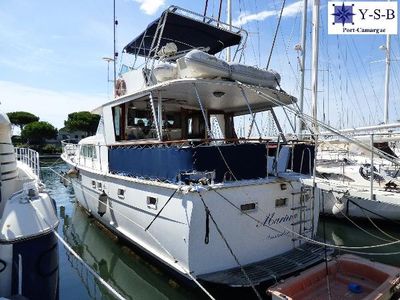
[[280, 202], [121, 193], [152, 202], [248, 206]]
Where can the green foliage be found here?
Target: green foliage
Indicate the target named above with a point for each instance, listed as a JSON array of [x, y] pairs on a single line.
[[17, 140], [21, 118], [37, 132], [51, 149], [83, 121]]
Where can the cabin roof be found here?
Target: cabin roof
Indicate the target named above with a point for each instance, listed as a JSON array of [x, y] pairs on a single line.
[[218, 95], [187, 33]]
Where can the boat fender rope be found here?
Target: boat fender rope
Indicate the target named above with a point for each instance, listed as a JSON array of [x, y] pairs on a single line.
[[230, 248], [207, 235]]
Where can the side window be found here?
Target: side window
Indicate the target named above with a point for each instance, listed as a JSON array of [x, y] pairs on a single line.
[[88, 151], [94, 153], [83, 151]]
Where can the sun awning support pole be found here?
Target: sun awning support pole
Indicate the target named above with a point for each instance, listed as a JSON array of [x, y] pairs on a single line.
[[253, 115], [278, 125], [210, 134], [159, 110], [155, 117], [155, 46]]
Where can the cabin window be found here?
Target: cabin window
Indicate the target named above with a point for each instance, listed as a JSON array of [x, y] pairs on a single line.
[[121, 193], [117, 121], [139, 122], [248, 206], [194, 125], [88, 151], [119, 118], [93, 184], [172, 120], [172, 126], [151, 202], [99, 186], [280, 202]]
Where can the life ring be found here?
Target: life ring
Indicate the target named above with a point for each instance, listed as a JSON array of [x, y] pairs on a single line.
[[120, 87]]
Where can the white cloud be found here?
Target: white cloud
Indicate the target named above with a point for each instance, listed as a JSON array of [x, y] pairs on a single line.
[[51, 106], [289, 11], [150, 6]]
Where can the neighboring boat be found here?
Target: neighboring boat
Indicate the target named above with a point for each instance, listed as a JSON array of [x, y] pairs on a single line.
[[28, 245], [209, 208], [345, 277], [344, 176]]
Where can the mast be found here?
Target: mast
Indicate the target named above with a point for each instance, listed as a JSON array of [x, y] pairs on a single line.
[[314, 68], [229, 22], [302, 66], [387, 79], [115, 55]]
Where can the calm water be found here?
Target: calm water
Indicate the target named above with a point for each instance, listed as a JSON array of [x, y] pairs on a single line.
[[134, 277]]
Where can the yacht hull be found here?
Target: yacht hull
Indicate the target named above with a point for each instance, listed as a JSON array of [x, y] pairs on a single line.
[[195, 231], [359, 206]]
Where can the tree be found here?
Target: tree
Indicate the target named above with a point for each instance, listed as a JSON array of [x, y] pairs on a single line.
[[82, 120], [21, 118], [36, 132]]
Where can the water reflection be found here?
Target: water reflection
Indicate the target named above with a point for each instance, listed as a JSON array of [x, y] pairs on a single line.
[[364, 233], [116, 264]]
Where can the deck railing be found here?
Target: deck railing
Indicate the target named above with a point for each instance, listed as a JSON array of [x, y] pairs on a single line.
[[69, 148], [30, 158]]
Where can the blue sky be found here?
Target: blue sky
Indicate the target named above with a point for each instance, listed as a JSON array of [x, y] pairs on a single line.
[[51, 55]]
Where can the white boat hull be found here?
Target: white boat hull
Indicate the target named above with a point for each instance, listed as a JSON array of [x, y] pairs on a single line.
[[178, 235], [360, 206]]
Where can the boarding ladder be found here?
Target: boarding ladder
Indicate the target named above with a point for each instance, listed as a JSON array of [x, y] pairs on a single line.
[[303, 205], [304, 208]]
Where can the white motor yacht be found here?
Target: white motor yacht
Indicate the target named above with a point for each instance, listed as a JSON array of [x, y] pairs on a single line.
[[166, 170]]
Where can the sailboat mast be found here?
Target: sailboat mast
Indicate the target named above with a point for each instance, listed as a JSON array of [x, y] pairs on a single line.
[[387, 79], [314, 68], [302, 66], [229, 22]]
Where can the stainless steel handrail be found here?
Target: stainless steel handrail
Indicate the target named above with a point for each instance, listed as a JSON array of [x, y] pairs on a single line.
[[30, 158]]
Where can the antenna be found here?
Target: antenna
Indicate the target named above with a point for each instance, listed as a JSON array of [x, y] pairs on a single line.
[[115, 50], [108, 60]]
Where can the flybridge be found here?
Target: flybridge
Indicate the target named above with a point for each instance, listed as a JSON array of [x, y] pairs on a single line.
[[188, 31]]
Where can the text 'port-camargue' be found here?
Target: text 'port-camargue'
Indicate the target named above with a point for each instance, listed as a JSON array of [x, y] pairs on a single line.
[[360, 17]]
